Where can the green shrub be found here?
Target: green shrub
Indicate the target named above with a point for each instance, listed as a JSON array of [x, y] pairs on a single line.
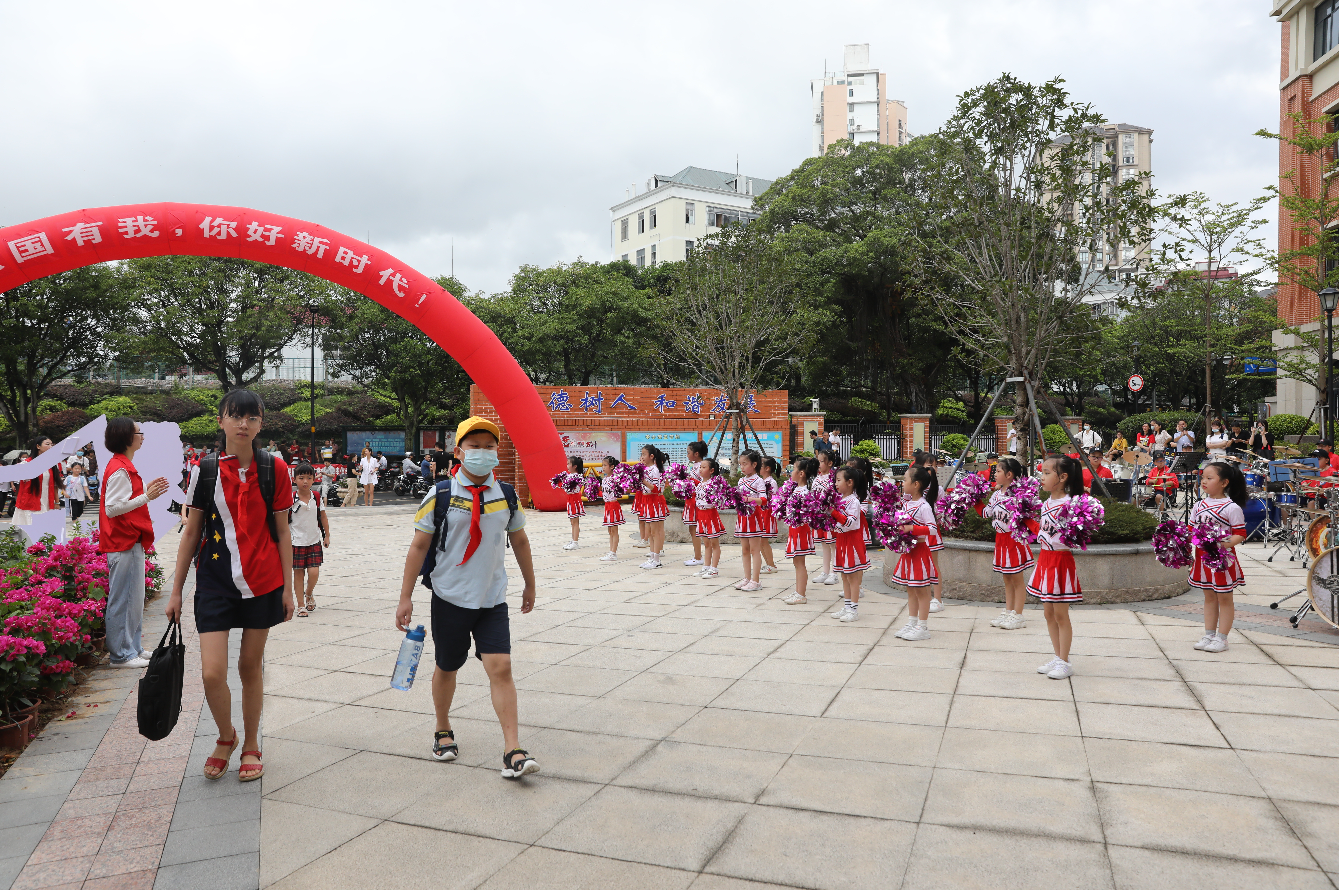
[[1004, 410], [59, 424], [973, 528], [866, 448], [1123, 524], [1131, 425], [210, 398], [1287, 425], [115, 406], [50, 406], [1103, 418], [951, 412], [954, 443], [1056, 440], [799, 454], [200, 429], [302, 412], [278, 394], [1313, 430]]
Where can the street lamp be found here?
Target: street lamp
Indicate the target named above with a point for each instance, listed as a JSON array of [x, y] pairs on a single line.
[[1329, 301]]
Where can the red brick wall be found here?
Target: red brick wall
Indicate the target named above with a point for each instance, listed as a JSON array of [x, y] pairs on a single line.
[[772, 415]]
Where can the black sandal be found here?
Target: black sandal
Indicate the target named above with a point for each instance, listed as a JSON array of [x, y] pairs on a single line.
[[445, 753], [517, 763]]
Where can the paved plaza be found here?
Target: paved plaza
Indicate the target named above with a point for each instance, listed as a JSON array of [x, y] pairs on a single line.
[[694, 736]]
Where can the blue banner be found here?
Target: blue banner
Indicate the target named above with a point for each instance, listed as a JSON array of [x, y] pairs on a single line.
[[1261, 366]]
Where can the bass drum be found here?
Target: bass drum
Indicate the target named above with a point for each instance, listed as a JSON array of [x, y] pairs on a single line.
[[1319, 538], [1322, 586]]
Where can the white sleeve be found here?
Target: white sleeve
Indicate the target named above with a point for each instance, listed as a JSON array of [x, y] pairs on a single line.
[[116, 494]]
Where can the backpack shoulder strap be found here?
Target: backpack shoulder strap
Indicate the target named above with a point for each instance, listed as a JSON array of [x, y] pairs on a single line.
[[509, 492], [204, 485], [264, 461], [441, 503]]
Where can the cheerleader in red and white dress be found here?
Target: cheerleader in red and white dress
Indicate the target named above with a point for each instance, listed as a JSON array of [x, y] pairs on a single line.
[[576, 503], [851, 560], [1012, 557], [654, 508], [800, 538], [696, 451], [935, 541], [1225, 490], [827, 473], [613, 512], [1055, 580], [768, 470], [749, 528], [709, 526], [916, 568]]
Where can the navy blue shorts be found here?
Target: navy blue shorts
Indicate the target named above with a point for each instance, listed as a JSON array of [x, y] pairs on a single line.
[[452, 627], [214, 611]]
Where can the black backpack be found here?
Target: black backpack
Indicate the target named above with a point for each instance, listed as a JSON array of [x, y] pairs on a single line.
[[160, 687], [439, 508], [263, 461]]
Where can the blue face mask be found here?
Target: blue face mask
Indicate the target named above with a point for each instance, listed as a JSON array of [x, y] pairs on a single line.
[[478, 461]]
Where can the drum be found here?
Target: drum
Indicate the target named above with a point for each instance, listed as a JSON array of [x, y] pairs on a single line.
[[1288, 499], [1254, 480], [1256, 509], [1318, 536], [1188, 481], [1322, 586]]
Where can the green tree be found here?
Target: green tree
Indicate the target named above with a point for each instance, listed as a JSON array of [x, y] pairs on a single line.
[[58, 326], [391, 357], [576, 323], [1016, 187], [231, 317]]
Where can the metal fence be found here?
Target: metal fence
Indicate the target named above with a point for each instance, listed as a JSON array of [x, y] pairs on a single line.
[[889, 438]]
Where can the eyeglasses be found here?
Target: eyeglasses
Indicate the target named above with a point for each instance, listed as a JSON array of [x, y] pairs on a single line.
[[139, 433]]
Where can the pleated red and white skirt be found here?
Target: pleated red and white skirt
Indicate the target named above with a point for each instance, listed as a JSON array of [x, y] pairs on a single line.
[[638, 504], [654, 507], [799, 541], [768, 520], [915, 568], [690, 511], [576, 506], [1056, 578], [750, 525], [850, 553], [709, 523], [613, 513], [1011, 557], [936, 543], [823, 536], [1224, 581]]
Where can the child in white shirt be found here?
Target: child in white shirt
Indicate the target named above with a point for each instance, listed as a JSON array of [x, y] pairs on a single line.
[[76, 490]]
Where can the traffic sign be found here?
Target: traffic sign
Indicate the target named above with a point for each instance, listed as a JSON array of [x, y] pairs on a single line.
[[1135, 383]]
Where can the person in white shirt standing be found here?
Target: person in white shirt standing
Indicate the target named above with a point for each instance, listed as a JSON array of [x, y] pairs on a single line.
[[76, 490], [1185, 438], [310, 528], [1090, 438]]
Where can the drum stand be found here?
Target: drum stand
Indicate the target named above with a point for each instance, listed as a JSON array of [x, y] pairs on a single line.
[[1301, 610], [1294, 537]]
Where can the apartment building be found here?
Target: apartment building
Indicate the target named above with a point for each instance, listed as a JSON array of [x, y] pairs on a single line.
[[1309, 85], [664, 222], [853, 104]]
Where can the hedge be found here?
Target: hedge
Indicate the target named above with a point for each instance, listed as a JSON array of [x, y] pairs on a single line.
[[1130, 426], [114, 406], [866, 448], [1124, 524], [1288, 425]]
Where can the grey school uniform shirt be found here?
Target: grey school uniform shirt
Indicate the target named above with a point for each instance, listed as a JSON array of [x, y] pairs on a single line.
[[480, 583]]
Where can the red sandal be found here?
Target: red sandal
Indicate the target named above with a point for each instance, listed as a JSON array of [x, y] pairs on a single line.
[[221, 763], [250, 772]]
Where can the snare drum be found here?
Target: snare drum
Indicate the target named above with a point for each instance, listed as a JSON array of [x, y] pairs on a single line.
[[1288, 499], [1254, 479]]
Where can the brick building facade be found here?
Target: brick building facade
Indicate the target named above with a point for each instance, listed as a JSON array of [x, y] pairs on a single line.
[[598, 420]]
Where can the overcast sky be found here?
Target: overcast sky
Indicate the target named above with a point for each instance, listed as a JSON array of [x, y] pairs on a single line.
[[512, 128]]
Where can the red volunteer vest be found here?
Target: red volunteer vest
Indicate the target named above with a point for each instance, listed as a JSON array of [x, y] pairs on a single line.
[[27, 499], [119, 533]]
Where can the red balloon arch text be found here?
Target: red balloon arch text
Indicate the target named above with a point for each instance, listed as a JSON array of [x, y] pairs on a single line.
[[84, 237]]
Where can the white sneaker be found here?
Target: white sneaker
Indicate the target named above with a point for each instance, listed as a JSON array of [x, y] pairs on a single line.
[[570, 545], [145, 654], [692, 562], [1015, 621], [848, 615], [1217, 644], [902, 633], [611, 556], [1206, 640], [936, 606], [831, 579], [136, 662], [840, 610], [769, 570], [1061, 671], [999, 619], [711, 573], [1048, 666], [796, 599], [819, 578], [917, 633], [752, 585], [640, 542]]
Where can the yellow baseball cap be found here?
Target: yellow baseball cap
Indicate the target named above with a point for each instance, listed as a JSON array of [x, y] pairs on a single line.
[[474, 424]]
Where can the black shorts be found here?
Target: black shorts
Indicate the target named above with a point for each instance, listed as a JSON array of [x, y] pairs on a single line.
[[452, 627], [215, 612]]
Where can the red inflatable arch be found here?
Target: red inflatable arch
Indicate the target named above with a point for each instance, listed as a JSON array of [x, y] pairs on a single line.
[[84, 237]]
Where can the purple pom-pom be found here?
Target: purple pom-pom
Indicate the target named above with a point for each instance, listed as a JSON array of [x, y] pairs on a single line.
[[1172, 544], [568, 482], [1079, 520], [965, 494], [593, 488], [676, 472], [888, 526], [1208, 537]]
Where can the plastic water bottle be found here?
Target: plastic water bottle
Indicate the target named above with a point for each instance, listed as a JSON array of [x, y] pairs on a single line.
[[411, 650]]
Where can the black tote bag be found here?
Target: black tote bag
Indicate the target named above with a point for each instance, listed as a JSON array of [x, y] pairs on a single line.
[[160, 687]]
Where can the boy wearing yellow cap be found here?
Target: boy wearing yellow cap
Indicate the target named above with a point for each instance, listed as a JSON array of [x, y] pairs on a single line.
[[469, 518]]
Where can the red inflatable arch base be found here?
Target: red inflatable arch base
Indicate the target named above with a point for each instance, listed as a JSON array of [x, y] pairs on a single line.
[[84, 237]]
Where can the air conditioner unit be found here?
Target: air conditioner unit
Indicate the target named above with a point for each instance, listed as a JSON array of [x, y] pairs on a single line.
[[860, 126]]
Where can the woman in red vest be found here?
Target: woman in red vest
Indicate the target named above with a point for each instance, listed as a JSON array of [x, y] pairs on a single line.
[[125, 531], [40, 494]]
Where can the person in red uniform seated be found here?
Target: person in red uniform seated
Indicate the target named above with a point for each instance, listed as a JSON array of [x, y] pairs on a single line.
[[1095, 458], [1162, 480]]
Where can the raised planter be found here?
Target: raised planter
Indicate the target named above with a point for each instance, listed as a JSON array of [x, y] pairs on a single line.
[[677, 533], [1109, 573]]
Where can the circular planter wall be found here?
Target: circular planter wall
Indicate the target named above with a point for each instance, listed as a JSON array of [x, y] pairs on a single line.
[[1109, 573], [677, 533]]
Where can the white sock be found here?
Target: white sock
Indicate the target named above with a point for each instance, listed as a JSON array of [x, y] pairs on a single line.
[[920, 622]]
